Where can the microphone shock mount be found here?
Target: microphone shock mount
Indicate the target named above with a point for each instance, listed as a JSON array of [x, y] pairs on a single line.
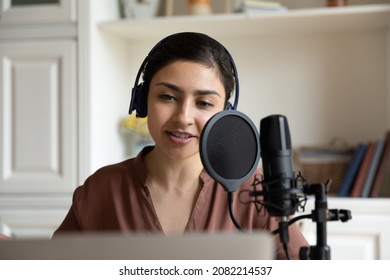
[[320, 215]]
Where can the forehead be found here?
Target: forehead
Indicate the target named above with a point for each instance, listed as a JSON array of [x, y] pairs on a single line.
[[190, 69]]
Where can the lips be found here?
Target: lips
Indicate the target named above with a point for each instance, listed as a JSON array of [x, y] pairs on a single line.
[[180, 137]]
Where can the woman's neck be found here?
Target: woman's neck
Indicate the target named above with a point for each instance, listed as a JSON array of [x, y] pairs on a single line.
[[173, 173]]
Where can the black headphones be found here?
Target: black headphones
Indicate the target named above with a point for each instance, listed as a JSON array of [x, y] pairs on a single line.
[[139, 91]]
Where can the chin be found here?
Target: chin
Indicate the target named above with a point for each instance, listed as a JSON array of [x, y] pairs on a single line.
[[180, 154]]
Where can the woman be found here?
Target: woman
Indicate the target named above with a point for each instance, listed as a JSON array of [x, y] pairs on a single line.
[[188, 77]]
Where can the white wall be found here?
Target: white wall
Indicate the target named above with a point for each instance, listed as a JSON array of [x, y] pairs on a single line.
[[110, 87], [324, 84]]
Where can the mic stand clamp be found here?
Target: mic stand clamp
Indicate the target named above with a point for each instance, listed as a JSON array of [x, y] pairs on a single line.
[[321, 214]]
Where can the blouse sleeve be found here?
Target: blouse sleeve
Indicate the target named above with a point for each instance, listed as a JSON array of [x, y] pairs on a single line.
[[71, 223]]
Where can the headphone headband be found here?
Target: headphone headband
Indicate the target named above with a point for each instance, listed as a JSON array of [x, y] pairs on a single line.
[[138, 100]]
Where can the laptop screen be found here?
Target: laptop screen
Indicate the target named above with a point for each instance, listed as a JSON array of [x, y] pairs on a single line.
[[118, 246]]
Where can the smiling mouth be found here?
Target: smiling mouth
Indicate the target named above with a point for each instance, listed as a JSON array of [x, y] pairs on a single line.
[[180, 138], [180, 135]]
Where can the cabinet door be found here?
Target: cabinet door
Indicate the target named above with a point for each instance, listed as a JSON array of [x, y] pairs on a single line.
[[37, 11], [365, 237], [38, 114]]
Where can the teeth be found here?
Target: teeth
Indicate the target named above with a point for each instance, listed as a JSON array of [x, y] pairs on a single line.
[[180, 135]]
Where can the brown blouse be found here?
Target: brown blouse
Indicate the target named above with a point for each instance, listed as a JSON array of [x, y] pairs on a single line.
[[115, 198]]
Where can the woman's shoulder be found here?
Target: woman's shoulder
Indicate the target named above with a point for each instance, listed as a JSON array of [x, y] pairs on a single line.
[[126, 173], [110, 176], [119, 167], [113, 170], [105, 183]]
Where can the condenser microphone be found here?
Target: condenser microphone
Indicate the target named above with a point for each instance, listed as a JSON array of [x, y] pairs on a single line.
[[276, 153], [279, 192]]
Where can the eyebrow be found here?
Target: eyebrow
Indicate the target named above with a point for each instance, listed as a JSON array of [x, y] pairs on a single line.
[[180, 90]]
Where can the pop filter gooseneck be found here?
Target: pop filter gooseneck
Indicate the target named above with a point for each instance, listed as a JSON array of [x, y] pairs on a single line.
[[230, 150]]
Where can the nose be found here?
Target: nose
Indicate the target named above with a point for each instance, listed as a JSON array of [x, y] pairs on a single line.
[[184, 114]]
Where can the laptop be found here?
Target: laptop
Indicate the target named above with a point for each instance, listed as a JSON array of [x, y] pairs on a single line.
[[256, 245]]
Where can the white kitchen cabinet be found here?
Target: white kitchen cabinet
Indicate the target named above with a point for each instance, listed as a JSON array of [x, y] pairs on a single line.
[[59, 11], [39, 115], [365, 237]]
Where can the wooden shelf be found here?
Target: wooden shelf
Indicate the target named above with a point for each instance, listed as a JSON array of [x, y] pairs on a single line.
[[364, 17]]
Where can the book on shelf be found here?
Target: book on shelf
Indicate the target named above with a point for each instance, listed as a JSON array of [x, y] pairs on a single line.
[[381, 183], [384, 191], [373, 167], [363, 170], [352, 170]]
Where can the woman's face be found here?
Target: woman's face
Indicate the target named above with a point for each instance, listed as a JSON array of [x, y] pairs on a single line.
[[183, 96]]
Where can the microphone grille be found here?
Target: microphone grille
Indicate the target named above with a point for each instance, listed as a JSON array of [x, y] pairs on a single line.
[[274, 134]]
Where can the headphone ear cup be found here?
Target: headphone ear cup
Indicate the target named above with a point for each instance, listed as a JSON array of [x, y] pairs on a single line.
[[139, 101]]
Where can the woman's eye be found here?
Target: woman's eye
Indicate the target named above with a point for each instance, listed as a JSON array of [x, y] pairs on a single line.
[[167, 97], [205, 104]]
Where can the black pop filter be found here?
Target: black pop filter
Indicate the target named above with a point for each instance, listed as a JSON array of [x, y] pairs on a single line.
[[229, 148]]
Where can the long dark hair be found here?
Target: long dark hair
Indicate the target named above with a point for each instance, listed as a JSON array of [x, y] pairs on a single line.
[[196, 47]]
